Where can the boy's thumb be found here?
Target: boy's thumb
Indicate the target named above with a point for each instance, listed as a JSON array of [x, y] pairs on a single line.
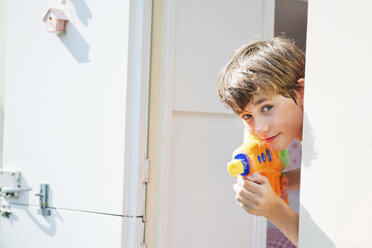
[[257, 177]]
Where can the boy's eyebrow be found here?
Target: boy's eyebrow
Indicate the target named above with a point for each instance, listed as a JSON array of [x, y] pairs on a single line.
[[260, 100], [257, 102]]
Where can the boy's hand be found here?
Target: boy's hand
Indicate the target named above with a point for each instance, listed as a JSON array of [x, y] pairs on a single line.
[[255, 195], [283, 186]]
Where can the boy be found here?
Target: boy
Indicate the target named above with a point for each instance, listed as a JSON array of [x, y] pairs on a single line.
[[263, 84]]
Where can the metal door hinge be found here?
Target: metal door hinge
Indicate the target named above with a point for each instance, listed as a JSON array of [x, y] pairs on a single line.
[[5, 211], [143, 241], [144, 171]]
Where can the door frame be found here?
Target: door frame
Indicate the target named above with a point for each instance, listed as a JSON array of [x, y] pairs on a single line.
[[160, 135]]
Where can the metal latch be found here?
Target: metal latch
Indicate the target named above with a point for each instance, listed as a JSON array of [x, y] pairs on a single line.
[[10, 185], [43, 199], [12, 192]]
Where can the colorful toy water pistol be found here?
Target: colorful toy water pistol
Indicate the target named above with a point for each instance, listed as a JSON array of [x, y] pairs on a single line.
[[256, 156]]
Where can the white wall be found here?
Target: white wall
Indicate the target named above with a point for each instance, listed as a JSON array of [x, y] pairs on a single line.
[[65, 100], [76, 118], [336, 185]]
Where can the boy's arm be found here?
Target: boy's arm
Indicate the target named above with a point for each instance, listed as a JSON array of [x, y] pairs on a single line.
[[256, 196], [293, 179], [286, 219]]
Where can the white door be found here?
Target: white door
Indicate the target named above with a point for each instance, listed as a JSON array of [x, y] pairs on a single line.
[[75, 119], [191, 201], [336, 185]]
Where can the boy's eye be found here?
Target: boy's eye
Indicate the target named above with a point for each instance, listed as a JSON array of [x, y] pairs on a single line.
[[247, 117], [267, 108]]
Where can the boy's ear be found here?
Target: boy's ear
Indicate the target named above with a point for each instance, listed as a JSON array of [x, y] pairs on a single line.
[[300, 96], [301, 81]]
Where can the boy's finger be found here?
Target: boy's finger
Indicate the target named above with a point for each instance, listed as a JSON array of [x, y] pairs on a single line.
[[243, 202], [250, 185], [283, 194], [284, 181], [255, 177], [242, 192], [258, 178], [240, 180]]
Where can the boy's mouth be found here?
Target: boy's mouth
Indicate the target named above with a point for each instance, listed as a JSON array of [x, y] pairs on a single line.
[[271, 139]]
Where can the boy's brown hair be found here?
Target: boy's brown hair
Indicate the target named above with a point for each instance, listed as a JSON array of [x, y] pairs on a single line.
[[271, 67]]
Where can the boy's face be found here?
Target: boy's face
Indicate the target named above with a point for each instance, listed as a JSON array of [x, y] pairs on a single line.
[[276, 120]]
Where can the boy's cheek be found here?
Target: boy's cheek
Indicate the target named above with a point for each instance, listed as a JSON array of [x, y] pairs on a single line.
[[248, 128]]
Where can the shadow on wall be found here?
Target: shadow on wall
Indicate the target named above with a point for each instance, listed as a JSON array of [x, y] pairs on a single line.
[[49, 226], [75, 43], [310, 154], [82, 11], [314, 146], [72, 39], [307, 224], [322, 239]]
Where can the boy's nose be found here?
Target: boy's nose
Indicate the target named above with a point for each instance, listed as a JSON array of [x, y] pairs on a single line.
[[261, 128]]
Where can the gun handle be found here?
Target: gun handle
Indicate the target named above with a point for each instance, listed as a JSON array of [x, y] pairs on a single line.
[[274, 179]]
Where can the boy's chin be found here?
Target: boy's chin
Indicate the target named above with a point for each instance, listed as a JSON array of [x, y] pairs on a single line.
[[279, 146]]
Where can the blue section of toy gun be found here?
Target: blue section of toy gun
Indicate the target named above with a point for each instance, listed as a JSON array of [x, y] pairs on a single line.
[[245, 161]]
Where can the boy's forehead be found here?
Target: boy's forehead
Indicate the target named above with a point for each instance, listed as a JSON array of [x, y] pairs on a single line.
[[255, 102], [258, 99]]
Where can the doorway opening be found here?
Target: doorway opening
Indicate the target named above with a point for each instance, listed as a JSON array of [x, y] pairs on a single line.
[[291, 22]]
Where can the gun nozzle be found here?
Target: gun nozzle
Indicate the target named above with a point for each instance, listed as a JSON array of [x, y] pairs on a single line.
[[235, 167]]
